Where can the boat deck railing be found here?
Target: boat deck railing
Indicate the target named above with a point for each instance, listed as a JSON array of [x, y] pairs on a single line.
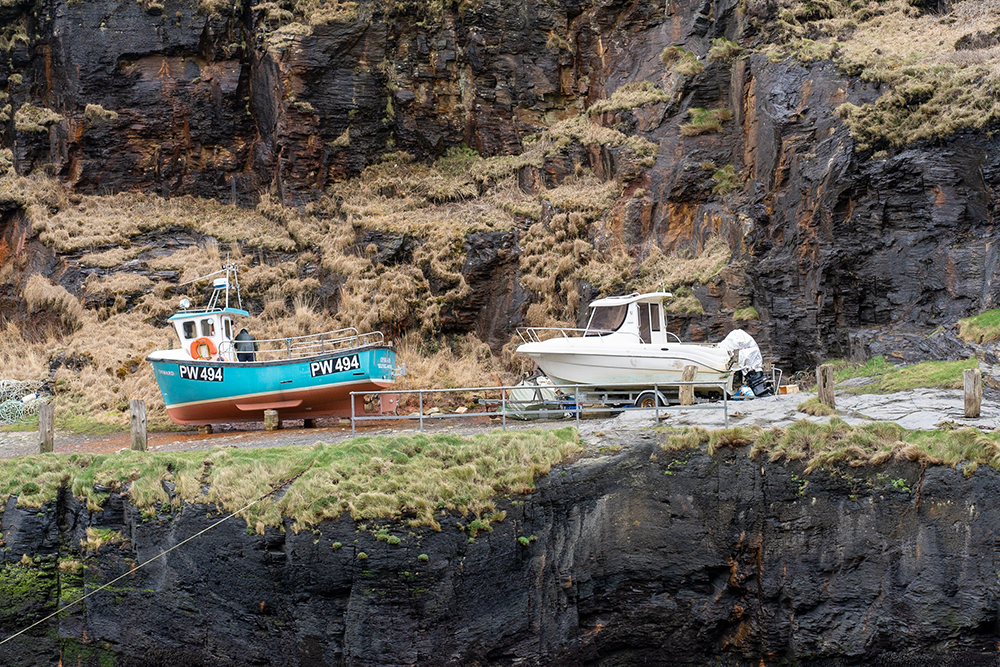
[[299, 347], [538, 334], [496, 403]]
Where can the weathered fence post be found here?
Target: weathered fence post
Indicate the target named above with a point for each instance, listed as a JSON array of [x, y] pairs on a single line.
[[271, 420], [137, 420], [824, 384], [972, 383], [46, 427], [687, 390]]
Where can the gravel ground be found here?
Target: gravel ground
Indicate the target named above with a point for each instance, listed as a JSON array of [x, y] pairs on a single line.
[[917, 409]]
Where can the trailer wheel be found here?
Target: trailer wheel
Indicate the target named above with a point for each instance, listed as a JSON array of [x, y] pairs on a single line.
[[650, 399]]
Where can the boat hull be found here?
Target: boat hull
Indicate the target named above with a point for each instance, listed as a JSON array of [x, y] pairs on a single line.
[[204, 392], [629, 369]]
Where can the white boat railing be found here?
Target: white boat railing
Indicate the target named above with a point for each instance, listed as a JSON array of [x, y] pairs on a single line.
[[538, 334], [301, 347], [572, 401]]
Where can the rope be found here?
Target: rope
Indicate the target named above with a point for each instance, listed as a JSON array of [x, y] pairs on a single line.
[[161, 554], [19, 400]]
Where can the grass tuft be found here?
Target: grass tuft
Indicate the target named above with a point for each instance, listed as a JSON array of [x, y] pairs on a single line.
[[981, 328], [813, 407], [706, 121]]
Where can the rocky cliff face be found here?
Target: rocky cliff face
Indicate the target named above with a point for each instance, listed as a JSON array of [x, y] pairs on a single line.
[[643, 557], [223, 101]]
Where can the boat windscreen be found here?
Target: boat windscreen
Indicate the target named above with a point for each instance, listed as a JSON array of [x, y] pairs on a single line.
[[605, 319]]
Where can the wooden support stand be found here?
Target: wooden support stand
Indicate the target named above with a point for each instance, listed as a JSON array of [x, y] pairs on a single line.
[[46, 427], [205, 429], [824, 384], [687, 390], [972, 383], [308, 423], [272, 422], [137, 419]]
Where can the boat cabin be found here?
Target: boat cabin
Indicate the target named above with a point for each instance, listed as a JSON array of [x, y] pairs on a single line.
[[640, 315], [207, 333]]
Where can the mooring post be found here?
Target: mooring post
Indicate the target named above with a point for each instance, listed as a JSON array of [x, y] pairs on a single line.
[[272, 422], [824, 384], [687, 390], [46, 427], [972, 383], [137, 421]]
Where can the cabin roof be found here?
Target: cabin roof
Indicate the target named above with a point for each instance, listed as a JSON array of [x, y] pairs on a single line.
[[655, 297], [195, 314]]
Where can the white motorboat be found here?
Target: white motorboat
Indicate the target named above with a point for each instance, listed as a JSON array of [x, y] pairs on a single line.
[[625, 346]]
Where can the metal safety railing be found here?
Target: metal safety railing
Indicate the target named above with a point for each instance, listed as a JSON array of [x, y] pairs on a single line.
[[570, 401], [297, 347]]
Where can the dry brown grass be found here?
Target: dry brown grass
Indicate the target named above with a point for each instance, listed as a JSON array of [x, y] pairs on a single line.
[[932, 90], [630, 96], [41, 295], [20, 357], [96, 221], [113, 257], [118, 283], [684, 268]]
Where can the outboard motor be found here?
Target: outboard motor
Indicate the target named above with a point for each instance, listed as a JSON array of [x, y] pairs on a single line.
[[245, 346]]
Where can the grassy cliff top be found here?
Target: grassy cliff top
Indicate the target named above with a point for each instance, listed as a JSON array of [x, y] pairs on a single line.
[[410, 479]]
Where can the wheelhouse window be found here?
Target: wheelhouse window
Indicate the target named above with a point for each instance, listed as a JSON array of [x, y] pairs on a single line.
[[649, 320], [207, 327], [227, 327], [605, 319], [189, 330]]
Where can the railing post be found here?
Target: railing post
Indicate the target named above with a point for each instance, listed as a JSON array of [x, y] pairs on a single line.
[[579, 408], [725, 405], [288, 348], [686, 392], [420, 399], [353, 427], [972, 385], [656, 400], [137, 421], [824, 385], [46, 427], [503, 407]]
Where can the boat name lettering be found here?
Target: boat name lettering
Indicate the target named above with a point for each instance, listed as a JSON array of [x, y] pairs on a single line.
[[203, 373], [338, 365]]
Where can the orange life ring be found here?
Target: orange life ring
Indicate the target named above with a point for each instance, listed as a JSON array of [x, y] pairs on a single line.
[[197, 349]]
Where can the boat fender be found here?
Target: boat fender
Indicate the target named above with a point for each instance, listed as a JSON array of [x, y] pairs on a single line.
[[203, 348]]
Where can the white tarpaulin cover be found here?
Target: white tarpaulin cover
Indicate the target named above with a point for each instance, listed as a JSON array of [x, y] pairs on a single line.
[[749, 356]]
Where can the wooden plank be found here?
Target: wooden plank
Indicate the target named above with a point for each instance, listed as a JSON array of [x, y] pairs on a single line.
[[46, 427], [687, 390], [137, 421], [824, 384], [972, 383]]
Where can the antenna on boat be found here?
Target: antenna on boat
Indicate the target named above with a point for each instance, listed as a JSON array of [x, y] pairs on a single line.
[[221, 283]]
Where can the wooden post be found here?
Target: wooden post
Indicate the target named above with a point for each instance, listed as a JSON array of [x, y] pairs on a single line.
[[972, 382], [271, 420], [46, 427], [824, 384], [137, 419], [687, 390]]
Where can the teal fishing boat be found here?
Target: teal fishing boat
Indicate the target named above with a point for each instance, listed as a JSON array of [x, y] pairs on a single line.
[[217, 376]]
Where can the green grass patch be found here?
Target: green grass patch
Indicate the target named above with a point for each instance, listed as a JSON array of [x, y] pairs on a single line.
[[981, 328], [403, 478], [813, 407], [838, 443], [706, 121], [888, 378], [747, 314]]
